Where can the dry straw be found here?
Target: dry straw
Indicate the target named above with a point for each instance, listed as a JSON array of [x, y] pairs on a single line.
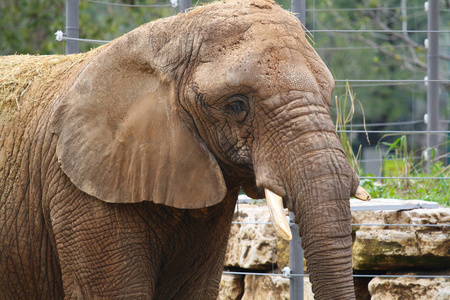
[[18, 72]]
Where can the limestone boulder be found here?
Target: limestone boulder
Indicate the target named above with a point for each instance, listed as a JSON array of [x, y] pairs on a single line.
[[390, 247], [282, 253], [411, 288], [272, 288], [252, 246], [307, 289], [394, 210], [393, 249], [255, 247], [231, 287], [237, 287], [266, 287]]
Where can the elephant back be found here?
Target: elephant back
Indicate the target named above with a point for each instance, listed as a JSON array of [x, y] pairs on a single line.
[[32, 78]]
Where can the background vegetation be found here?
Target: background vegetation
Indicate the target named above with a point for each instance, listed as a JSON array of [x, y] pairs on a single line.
[[28, 26], [412, 176], [397, 53], [391, 55]]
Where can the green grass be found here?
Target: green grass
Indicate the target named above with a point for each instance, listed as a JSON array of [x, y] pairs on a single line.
[[398, 161], [437, 190]]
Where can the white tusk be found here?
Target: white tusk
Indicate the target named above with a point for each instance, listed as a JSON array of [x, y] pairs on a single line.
[[279, 219], [362, 194]]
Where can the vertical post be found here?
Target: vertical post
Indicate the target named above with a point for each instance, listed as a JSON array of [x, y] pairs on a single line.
[[295, 262], [298, 7], [72, 27], [433, 74], [185, 4]]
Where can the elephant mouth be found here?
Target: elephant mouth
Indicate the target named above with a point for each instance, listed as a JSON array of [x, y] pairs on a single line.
[[281, 224]]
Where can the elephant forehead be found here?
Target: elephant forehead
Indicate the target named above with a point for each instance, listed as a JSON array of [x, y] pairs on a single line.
[[269, 54], [267, 69]]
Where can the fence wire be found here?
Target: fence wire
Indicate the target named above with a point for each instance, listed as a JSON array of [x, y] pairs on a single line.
[[130, 5], [374, 31], [354, 275], [361, 224], [312, 10], [398, 132]]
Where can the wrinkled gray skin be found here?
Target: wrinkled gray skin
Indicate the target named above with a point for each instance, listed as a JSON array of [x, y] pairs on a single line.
[[121, 180]]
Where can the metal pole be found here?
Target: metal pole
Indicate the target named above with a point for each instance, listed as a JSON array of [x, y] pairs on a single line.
[[298, 7], [72, 27], [295, 262], [185, 4], [433, 74]]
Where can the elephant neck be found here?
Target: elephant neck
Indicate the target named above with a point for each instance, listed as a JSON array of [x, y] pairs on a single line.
[[212, 212]]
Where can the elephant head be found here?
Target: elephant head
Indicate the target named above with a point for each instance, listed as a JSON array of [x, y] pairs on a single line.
[[183, 109]]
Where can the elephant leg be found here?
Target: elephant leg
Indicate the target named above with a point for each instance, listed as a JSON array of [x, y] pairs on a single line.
[[192, 277], [103, 249], [196, 269], [28, 263]]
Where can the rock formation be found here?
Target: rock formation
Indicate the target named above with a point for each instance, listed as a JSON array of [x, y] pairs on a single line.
[[379, 249]]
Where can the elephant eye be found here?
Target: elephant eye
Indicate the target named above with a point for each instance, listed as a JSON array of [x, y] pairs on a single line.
[[238, 108]]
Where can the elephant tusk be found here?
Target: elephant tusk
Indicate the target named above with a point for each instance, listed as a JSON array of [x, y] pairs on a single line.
[[362, 194], [279, 219]]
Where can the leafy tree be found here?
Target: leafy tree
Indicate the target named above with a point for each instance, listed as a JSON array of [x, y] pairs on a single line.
[[29, 26], [392, 52]]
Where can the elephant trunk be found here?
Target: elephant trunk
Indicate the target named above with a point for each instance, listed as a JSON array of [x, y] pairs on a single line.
[[319, 194], [323, 215], [317, 185], [299, 157]]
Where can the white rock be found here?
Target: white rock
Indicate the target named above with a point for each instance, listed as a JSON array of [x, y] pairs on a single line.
[[231, 287], [272, 287], [395, 247], [252, 246], [266, 287], [410, 288]]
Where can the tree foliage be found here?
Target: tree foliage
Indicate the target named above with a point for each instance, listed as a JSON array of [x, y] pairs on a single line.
[[29, 26], [388, 46]]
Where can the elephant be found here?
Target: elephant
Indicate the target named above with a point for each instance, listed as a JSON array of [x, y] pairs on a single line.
[[120, 168]]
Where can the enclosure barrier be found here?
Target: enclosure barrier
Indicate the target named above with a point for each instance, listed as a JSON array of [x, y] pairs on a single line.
[[71, 34]]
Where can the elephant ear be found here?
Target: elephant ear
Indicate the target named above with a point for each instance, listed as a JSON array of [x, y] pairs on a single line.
[[122, 139]]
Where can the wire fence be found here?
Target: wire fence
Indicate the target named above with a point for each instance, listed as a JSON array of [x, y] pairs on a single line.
[[173, 4], [354, 275]]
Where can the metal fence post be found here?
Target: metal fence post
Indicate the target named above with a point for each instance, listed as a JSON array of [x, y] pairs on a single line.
[[298, 7], [433, 75], [72, 26], [185, 4], [295, 262]]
